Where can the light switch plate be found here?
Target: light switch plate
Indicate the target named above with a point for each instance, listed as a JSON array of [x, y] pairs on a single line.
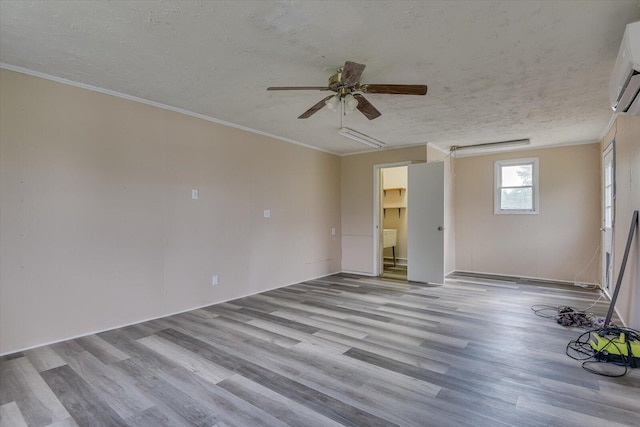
[[267, 213], [194, 194]]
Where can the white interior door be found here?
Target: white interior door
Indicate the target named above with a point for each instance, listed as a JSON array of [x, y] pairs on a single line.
[[425, 216], [608, 215]]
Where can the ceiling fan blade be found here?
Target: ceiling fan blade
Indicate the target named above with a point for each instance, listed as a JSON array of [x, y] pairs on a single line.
[[311, 111], [366, 108], [298, 88], [351, 72], [395, 89]]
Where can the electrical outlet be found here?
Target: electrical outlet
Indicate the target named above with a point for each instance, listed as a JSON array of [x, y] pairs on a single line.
[[267, 213], [333, 231], [214, 280], [194, 194]]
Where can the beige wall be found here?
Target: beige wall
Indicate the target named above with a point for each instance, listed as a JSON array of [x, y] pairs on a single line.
[[357, 203], [626, 131], [558, 243], [98, 228]]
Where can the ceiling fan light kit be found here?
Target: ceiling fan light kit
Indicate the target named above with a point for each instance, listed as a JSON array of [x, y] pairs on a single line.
[[332, 103], [350, 103], [361, 138]]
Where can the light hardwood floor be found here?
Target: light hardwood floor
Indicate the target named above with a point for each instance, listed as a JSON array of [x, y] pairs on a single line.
[[342, 350]]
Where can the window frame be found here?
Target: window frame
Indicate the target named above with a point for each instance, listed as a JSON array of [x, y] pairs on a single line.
[[497, 186]]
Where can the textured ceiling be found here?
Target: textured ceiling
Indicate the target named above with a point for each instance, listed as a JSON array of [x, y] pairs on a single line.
[[496, 70]]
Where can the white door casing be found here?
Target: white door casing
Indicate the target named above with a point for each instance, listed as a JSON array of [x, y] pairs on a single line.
[[608, 214]]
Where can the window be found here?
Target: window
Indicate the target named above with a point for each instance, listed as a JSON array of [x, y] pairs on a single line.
[[516, 186], [608, 195]]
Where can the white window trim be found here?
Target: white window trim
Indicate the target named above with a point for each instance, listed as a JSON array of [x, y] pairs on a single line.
[[497, 169]]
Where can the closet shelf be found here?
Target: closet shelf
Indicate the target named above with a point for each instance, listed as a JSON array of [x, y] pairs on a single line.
[[393, 206], [398, 189]]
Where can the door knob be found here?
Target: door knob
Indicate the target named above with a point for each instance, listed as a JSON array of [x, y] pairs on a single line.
[[440, 228]]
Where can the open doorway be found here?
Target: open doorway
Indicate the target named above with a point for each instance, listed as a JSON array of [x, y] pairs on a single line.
[[414, 207], [393, 194]]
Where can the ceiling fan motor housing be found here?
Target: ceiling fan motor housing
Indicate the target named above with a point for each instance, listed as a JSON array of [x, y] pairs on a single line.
[[337, 85]]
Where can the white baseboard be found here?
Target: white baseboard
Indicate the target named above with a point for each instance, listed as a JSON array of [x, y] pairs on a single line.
[[399, 261], [360, 273], [162, 316], [524, 277]]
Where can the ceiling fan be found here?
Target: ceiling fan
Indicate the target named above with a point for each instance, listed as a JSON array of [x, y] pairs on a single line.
[[348, 90]]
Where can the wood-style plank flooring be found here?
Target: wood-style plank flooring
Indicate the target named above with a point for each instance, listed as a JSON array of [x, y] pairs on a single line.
[[342, 350]]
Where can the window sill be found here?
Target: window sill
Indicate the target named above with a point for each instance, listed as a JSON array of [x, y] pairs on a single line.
[[516, 212]]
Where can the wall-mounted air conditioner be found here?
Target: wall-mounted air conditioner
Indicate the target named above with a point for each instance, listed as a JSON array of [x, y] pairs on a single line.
[[624, 86]]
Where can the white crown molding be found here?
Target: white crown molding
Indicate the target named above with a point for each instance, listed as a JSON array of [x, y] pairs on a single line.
[[155, 104], [469, 153]]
